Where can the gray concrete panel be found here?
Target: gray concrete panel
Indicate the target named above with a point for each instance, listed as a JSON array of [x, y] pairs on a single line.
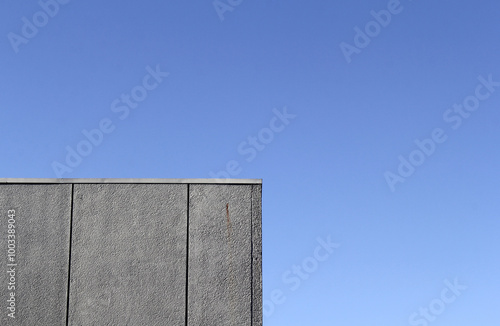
[[40, 221], [220, 262], [128, 257], [257, 255], [135, 252]]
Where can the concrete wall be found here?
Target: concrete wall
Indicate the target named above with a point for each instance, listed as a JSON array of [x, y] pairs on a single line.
[[131, 252]]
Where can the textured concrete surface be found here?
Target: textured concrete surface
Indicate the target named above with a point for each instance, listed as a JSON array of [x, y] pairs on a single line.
[[42, 226], [136, 251], [128, 260], [220, 262], [257, 307]]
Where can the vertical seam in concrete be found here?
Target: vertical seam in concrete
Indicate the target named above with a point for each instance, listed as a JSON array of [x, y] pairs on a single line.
[[187, 257], [69, 254], [251, 256]]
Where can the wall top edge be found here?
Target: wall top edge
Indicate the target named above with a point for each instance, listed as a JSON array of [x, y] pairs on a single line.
[[126, 180]]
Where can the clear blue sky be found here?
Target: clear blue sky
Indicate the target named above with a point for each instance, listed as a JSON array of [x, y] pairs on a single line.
[[376, 129]]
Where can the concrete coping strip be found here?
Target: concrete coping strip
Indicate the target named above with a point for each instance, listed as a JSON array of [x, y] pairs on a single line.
[[126, 181]]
